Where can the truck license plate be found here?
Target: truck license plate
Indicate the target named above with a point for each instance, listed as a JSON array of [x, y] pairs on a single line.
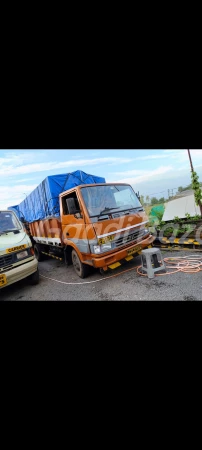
[[3, 280], [133, 250]]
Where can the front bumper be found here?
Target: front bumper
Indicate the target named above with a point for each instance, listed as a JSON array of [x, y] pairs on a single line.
[[105, 261], [20, 272]]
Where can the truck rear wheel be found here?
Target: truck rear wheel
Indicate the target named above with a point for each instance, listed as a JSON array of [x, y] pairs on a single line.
[[37, 252], [82, 270]]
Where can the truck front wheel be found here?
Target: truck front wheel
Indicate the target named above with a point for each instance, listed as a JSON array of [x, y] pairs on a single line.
[[82, 270]]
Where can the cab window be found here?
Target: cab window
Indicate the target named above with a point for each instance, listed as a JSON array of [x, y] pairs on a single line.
[[64, 203]]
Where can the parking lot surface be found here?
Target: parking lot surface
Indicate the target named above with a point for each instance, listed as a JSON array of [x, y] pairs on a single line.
[[125, 284]]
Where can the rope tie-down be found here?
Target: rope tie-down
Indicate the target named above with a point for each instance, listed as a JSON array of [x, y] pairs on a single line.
[[185, 264]]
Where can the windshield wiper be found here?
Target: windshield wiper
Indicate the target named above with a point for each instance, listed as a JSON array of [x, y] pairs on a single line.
[[107, 210], [140, 208]]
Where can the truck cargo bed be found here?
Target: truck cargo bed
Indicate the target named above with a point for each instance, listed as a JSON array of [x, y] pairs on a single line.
[[47, 231]]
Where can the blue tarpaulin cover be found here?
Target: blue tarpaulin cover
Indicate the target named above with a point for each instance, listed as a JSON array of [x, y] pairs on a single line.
[[15, 209], [44, 200]]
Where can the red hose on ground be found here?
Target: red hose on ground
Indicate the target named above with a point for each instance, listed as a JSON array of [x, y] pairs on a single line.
[[185, 264]]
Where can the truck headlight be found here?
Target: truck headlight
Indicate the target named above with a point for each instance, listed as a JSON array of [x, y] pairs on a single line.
[[102, 248], [97, 249], [22, 255]]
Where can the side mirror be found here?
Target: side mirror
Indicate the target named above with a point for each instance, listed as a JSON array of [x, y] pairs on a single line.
[[71, 206]]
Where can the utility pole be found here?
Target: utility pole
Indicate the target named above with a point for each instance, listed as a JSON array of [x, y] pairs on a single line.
[[170, 193], [192, 169]]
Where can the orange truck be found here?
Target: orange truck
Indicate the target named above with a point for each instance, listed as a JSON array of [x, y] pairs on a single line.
[[96, 225]]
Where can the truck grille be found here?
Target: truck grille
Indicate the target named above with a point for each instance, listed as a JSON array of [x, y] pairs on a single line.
[[5, 261], [129, 239]]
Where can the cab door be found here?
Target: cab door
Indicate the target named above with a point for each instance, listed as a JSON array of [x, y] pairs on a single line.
[[73, 225]]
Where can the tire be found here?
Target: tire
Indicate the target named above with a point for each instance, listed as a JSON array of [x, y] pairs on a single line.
[[38, 254], [34, 278], [103, 272], [82, 270]]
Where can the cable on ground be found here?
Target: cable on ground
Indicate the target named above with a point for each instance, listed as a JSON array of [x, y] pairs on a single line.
[[186, 264]]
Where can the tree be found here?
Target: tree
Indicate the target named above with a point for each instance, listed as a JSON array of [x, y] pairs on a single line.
[[162, 200], [142, 199], [187, 187], [195, 185], [197, 190], [154, 201], [147, 199]]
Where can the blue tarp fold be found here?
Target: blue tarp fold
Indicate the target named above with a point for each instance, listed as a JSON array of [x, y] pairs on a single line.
[[15, 209], [44, 200]]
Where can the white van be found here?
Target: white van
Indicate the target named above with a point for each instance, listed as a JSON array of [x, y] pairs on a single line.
[[17, 260]]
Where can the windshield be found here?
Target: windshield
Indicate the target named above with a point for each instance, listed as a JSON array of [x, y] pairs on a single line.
[[8, 222], [102, 200]]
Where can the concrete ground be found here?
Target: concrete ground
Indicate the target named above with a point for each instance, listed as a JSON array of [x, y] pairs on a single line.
[[125, 286]]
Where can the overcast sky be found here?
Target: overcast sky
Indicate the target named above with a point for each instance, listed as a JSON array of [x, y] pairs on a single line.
[[151, 172]]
